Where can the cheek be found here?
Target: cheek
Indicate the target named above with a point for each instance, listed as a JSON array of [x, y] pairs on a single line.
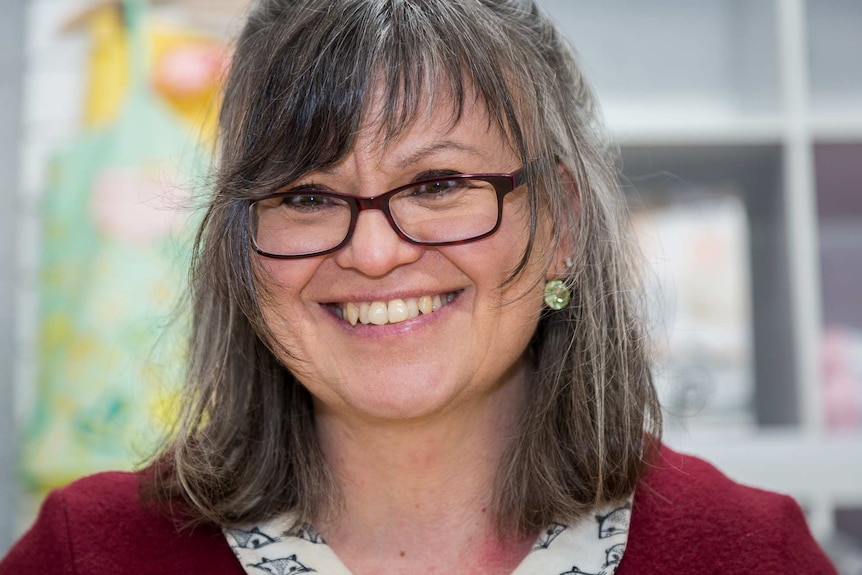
[[275, 276], [502, 260], [281, 284], [521, 310], [521, 300]]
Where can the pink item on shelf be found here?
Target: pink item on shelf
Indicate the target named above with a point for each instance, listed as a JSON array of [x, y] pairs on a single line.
[[841, 356]]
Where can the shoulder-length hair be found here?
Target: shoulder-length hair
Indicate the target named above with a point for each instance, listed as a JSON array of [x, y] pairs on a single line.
[[300, 81]]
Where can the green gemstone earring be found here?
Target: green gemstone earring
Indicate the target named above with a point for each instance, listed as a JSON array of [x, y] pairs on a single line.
[[557, 295]]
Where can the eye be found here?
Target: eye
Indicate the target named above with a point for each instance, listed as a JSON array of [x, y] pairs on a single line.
[[440, 187], [309, 202]]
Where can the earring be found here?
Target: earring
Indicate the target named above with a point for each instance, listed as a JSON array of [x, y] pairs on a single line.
[[557, 295]]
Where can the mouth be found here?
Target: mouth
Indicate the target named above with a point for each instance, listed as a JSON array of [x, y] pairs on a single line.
[[392, 311]]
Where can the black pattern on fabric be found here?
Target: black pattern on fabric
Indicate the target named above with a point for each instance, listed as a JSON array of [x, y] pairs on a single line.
[[251, 539], [307, 533], [548, 535], [284, 566], [593, 546], [615, 522]]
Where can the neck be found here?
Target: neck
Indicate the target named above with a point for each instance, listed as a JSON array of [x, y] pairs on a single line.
[[421, 490]]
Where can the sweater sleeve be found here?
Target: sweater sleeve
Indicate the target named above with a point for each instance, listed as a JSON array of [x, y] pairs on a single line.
[[46, 547], [688, 518], [797, 549], [100, 525]]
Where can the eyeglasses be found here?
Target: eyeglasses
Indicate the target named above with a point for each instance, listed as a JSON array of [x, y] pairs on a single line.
[[443, 211]]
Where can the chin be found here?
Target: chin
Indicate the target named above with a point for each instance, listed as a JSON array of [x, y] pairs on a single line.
[[396, 400]]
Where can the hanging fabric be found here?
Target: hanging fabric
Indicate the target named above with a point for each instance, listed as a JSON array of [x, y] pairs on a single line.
[[115, 246], [187, 66]]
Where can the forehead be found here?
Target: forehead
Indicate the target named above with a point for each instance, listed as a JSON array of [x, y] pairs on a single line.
[[438, 120], [305, 84]]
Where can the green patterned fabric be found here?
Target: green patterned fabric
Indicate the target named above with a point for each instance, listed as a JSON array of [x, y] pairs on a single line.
[[116, 237]]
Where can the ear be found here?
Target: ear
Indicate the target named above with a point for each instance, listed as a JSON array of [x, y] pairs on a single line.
[[565, 252]]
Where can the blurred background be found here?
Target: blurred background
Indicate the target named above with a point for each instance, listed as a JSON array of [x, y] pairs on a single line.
[[740, 126]]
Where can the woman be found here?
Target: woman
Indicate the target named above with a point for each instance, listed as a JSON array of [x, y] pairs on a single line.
[[417, 345]]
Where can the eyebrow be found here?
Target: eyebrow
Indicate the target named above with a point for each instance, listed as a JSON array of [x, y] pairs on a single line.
[[417, 155], [433, 148]]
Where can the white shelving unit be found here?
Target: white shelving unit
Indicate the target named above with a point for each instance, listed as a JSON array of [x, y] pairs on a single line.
[[766, 96]]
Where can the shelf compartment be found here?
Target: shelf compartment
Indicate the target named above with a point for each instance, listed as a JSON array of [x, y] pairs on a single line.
[[838, 171], [834, 46], [713, 62], [753, 173]]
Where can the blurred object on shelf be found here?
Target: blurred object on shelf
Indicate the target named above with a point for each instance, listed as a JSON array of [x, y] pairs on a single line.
[[842, 377], [841, 269], [699, 301], [839, 209]]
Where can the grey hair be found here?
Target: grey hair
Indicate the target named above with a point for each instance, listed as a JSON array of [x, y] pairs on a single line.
[[300, 83]]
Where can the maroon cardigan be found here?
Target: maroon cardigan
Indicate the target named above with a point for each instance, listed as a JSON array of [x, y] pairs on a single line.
[[687, 518]]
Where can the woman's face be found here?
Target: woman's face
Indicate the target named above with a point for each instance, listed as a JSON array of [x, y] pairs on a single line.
[[435, 362]]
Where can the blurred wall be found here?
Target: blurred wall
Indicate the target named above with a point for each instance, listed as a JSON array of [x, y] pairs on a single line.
[[11, 68]]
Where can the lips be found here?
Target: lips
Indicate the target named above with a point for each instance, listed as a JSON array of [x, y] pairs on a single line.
[[391, 311]]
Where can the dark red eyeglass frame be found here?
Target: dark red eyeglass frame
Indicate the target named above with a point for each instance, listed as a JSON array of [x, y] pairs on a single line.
[[502, 183]]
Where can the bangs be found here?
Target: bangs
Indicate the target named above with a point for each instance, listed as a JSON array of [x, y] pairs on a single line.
[[361, 63], [431, 60]]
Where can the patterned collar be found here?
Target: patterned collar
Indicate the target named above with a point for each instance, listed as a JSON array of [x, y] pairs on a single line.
[[593, 546]]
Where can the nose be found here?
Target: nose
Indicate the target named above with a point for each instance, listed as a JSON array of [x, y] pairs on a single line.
[[375, 248]]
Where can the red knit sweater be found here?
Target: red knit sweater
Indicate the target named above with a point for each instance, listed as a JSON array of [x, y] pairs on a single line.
[[687, 518]]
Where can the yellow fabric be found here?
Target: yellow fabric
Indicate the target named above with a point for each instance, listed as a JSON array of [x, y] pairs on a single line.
[[108, 75], [196, 102]]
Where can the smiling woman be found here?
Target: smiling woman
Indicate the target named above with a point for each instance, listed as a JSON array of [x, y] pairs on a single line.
[[417, 339]]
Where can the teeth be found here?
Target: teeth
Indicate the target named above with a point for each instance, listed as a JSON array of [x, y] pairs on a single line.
[[424, 304], [412, 308], [394, 311], [377, 313], [397, 309], [352, 313]]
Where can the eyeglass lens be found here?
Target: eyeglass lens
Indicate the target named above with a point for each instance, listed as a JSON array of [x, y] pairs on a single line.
[[439, 211]]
